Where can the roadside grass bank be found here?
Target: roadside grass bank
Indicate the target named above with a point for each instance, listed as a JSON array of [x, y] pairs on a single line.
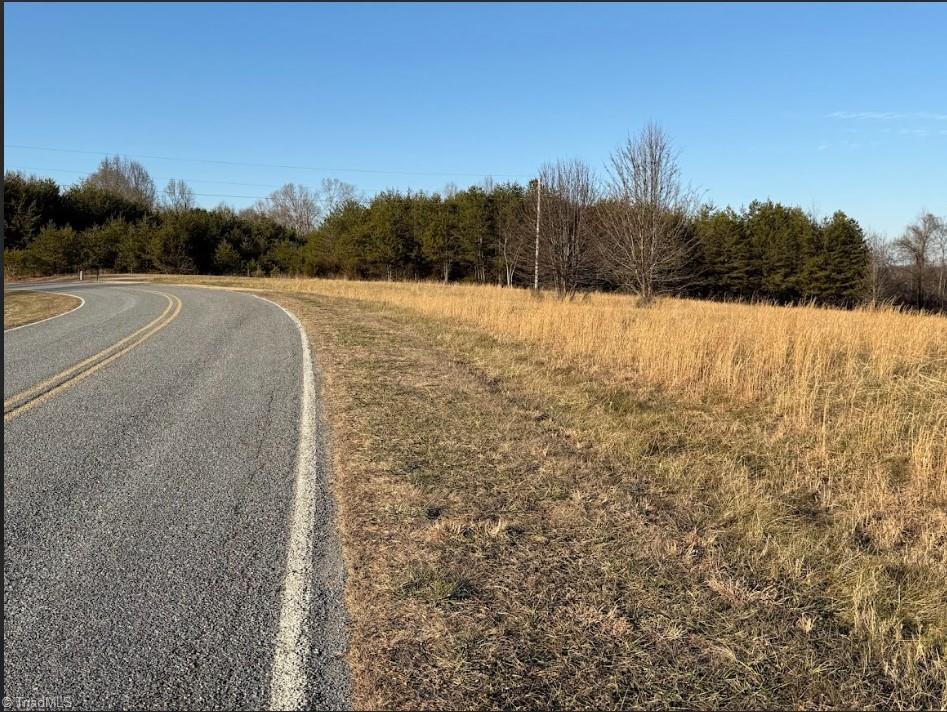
[[574, 504], [25, 307]]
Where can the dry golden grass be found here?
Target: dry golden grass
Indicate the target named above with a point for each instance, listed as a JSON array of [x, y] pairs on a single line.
[[795, 461], [871, 384], [24, 307]]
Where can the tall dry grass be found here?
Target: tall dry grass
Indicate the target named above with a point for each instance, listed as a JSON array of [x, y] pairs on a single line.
[[868, 382], [871, 384]]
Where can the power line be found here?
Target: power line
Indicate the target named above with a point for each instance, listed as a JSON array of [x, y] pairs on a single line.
[[272, 165], [202, 195], [225, 195], [189, 180]]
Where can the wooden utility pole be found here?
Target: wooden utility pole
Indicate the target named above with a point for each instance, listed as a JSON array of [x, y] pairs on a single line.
[[539, 192]]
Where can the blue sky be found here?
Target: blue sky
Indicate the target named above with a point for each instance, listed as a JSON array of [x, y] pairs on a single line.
[[825, 106]]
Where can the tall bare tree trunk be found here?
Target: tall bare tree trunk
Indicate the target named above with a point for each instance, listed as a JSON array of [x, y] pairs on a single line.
[[646, 215], [916, 245], [565, 228]]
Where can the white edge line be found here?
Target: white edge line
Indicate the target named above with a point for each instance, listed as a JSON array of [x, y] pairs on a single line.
[[291, 647], [49, 318]]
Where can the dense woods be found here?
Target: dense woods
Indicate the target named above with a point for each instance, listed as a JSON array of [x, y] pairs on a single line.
[[591, 235]]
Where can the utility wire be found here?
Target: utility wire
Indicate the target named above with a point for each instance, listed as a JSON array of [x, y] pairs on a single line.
[[271, 165], [203, 195], [188, 180]]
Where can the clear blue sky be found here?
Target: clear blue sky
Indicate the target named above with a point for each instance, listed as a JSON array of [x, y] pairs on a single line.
[[825, 106]]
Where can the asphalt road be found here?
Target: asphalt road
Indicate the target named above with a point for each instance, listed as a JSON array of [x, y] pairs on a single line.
[[156, 508]]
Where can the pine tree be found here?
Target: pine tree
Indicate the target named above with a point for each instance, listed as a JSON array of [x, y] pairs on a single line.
[[846, 260], [437, 229], [55, 251], [728, 258], [781, 237]]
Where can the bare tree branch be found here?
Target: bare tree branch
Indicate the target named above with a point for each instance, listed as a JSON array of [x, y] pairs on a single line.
[[293, 206], [125, 177], [178, 196], [879, 268], [567, 253], [916, 246], [333, 192], [646, 216]]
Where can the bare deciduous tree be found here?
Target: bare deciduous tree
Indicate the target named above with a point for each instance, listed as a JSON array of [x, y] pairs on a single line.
[[178, 196], [646, 217], [879, 268], [293, 206], [333, 192], [125, 177], [566, 231], [940, 253], [514, 237], [916, 247]]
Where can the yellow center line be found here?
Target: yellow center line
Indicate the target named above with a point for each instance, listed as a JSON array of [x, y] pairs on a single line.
[[42, 392]]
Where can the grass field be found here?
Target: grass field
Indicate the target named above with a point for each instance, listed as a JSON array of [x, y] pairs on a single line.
[[587, 503], [25, 307]]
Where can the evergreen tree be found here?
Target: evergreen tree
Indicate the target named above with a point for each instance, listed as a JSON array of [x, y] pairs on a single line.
[[436, 222], [132, 254], [391, 245], [474, 228], [780, 238], [55, 251], [86, 205], [100, 244], [731, 267], [29, 204], [226, 258], [836, 270], [340, 243]]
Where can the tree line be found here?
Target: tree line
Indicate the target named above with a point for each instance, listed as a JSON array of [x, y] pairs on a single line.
[[637, 228]]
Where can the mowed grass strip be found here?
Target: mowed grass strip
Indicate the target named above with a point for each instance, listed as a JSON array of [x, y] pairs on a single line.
[[25, 307], [522, 530]]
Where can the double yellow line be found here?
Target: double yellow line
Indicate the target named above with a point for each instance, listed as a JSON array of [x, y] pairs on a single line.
[[40, 393]]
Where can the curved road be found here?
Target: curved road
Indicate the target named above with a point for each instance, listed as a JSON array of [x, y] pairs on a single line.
[[168, 536]]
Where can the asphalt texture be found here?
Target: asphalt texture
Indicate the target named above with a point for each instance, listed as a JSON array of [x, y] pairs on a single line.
[[146, 508]]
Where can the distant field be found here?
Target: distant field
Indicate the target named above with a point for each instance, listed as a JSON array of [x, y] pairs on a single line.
[[587, 503], [24, 307]]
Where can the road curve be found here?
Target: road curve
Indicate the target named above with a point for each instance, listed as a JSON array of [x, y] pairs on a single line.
[[36, 351], [149, 508]]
